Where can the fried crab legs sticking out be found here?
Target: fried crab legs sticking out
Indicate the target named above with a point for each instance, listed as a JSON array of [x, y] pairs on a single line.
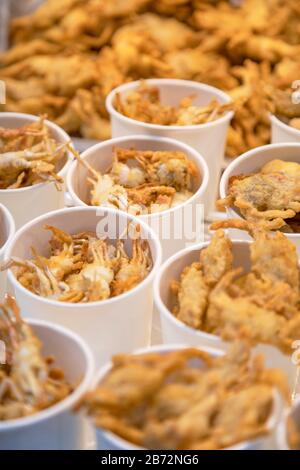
[[83, 268], [186, 399], [143, 182], [270, 197], [26, 382], [144, 104]]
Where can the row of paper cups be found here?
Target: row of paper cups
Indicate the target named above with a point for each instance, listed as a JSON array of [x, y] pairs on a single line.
[[207, 140]]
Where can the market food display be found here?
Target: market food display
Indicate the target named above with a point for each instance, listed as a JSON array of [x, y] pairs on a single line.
[[261, 305], [83, 268], [270, 197], [29, 155], [185, 399], [29, 382], [143, 182], [144, 104], [59, 53], [63, 61]]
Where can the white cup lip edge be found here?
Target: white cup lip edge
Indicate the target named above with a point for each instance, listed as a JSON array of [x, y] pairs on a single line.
[[121, 88], [12, 228], [286, 127], [68, 402], [71, 306], [202, 167]]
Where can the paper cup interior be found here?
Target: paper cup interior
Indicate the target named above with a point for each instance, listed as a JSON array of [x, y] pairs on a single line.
[[171, 93], [72, 355], [76, 220], [67, 351], [16, 120], [100, 157], [117, 443], [171, 271], [254, 160]]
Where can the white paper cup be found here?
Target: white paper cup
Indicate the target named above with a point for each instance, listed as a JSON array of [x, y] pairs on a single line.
[[27, 203], [120, 323], [209, 139], [107, 440], [175, 331], [282, 433], [176, 227], [282, 132], [57, 427], [252, 162], [7, 231]]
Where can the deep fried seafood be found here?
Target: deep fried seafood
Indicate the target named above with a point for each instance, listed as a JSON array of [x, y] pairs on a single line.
[[143, 104], [82, 268], [29, 155], [143, 182], [28, 384], [185, 399], [196, 281], [269, 197], [262, 304]]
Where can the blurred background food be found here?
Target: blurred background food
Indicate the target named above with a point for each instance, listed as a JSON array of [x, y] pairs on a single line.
[[67, 55]]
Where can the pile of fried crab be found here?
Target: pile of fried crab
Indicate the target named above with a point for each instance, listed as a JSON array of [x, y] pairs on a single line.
[[30, 155], [144, 104], [261, 305], [143, 181], [269, 197], [58, 53], [186, 399], [84, 268], [29, 382]]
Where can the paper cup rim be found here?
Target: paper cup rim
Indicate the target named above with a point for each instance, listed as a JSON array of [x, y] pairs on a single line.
[[172, 81], [11, 230], [247, 156], [119, 442], [202, 166], [289, 129], [51, 126], [70, 400], [71, 306], [160, 304]]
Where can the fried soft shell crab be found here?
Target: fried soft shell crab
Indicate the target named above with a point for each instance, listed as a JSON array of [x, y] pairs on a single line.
[[186, 399], [30, 155], [83, 268], [269, 197], [29, 382], [261, 305], [144, 104], [143, 182]]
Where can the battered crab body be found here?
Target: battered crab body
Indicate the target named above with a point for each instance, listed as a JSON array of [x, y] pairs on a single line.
[[143, 182], [269, 197], [261, 305]]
